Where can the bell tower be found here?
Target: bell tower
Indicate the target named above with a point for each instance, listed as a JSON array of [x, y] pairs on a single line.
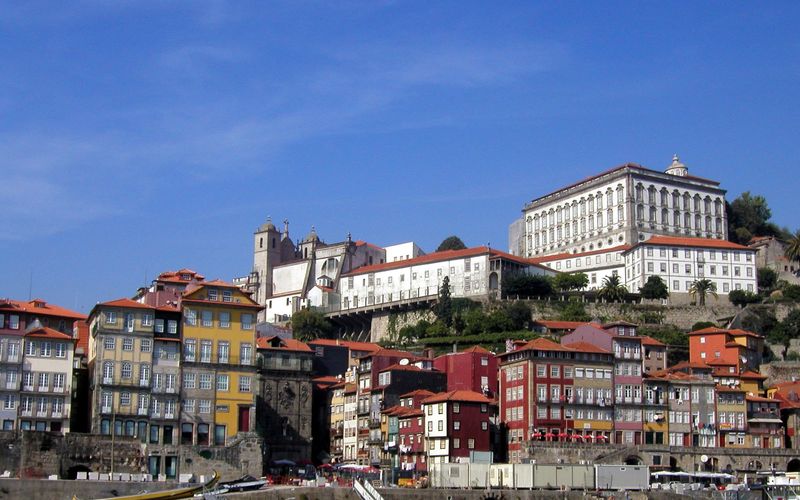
[[266, 255]]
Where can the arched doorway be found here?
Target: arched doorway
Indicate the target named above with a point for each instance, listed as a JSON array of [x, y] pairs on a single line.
[[793, 465], [634, 460], [493, 281], [72, 472]]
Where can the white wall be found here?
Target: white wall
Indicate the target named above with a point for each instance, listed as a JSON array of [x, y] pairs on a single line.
[[435, 436]]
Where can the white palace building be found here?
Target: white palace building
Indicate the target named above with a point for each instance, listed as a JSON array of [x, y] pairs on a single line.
[[636, 222]]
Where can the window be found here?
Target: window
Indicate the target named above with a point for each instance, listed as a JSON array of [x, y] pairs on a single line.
[[247, 321], [223, 349], [244, 383], [456, 443], [222, 382], [224, 319], [111, 317], [159, 328], [108, 370], [125, 398], [227, 296], [212, 294], [127, 370], [456, 425], [205, 381], [127, 344], [205, 351], [30, 348], [208, 318], [144, 375], [58, 381], [191, 317], [189, 349], [189, 380], [205, 406], [172, 326], [109, 343], [147, 319], [246, 354]]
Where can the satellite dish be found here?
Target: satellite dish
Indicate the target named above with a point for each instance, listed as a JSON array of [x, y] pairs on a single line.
[[704, 458], [404, 362]]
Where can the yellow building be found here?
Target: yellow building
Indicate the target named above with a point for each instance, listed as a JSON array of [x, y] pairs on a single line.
[[732, 417], [219, 374]]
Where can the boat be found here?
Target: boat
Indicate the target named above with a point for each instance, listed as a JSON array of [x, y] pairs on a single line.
[[244, 483], [174, 494]]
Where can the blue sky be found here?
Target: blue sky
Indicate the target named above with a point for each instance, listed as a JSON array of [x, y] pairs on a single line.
[[141, 136]]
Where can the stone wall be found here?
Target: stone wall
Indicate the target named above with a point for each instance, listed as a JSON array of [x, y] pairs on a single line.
[[38, 489], [780, 371], [381, 324], [30, 454]]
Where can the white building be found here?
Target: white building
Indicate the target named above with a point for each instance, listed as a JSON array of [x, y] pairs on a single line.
[[473, 273], [46, 391], [680, 261], [622, 206], [597, 264]]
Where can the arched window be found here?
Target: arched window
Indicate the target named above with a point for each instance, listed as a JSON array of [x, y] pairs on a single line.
[[640, 212]]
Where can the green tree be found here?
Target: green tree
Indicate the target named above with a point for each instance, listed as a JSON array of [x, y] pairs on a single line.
[[792, 251], [566, 281], [748, 216], [519, 315], [308, 324], [767, 279], [612, 290], [451, 243], [444, 306], [702, 324], [785, 331], [741, 297], [699, 289], [676, 340], [574, 311], [760, 320], [654, 288], [527, 285]]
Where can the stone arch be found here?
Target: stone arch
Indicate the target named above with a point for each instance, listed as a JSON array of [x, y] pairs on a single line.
[[673, 463], [72, 472], [793, 465], [493, 281], [634, 460]]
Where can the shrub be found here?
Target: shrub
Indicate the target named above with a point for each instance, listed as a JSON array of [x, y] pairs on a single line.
[[742, 297]]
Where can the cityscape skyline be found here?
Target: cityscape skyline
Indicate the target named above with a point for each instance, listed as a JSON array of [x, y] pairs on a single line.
[[173, 131]]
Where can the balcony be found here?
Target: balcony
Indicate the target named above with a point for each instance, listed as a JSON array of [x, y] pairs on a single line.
[[105, 409], [169, 416], [57, 415], [26, 413], [44, 388], [108, 380], [59, 388], [41, 413], [140, 411], [12, 386], [28, 388]]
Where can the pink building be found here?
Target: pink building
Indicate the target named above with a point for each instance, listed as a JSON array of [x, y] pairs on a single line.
[[621, 339]]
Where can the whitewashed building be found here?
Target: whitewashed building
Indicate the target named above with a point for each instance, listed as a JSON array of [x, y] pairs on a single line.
[[681, 261], [622, 206], [597, 264], [46, 390], [473, 273]]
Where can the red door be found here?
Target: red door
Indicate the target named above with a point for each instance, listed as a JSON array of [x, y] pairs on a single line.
[[244, 419]]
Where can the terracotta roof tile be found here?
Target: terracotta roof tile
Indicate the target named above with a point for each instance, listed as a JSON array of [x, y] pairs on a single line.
[[353, 346], [559, 325], [284, 344], [39, 307], [647, 340], [567, 255], [458, 396], [586, 347], [48, 333], [690, 242], [417, 393]]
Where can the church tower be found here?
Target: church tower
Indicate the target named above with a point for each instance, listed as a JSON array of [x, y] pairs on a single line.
[[266, 255]]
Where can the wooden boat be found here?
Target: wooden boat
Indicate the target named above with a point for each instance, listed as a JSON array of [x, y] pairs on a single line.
[[174, 494]]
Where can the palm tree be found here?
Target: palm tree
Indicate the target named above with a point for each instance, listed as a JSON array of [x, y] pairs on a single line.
[[792, 251], [613, 290], [700, 288]]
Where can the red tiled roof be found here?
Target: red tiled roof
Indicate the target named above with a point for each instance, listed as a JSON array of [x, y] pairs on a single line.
[[559, 325], [647, 340], [39, 307], [361, 243], [404, 368], [540, 344], [460, 396], [760, 399], [390, 353], [286, 344], [567, 255], [82, 341], [721, 388], [751, 375], [735, 332], [350, 388], [586, 347], [326, 378], [690, 364], [125, 303], [417, 392], [353, 346], [48, 333], [412, 412], [442, 256], [690, 242], [478, 349]]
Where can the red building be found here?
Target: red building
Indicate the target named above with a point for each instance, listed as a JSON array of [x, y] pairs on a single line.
[[474, 369], [457, 424]]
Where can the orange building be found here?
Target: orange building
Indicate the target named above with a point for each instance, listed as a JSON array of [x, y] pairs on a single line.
[[734, 347]]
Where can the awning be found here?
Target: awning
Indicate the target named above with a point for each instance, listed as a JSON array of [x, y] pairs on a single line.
[[765, 420]]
